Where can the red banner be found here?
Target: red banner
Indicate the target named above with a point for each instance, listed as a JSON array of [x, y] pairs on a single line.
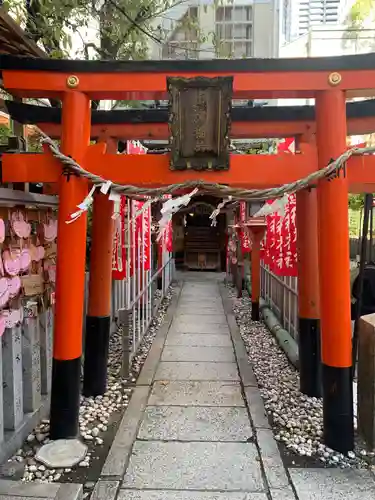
[[143, 221], [167, 239], [245, 239], [118, 251], [280, 244], [142, 234], [286, 145], [279, 248]]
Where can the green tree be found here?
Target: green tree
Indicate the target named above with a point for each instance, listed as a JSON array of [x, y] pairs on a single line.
[[356, 201], [124, 26], [361, 13]]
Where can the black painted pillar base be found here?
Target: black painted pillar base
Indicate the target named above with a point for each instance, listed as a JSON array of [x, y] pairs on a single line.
[[142, 310], [310, 366], [159, 283], [255, 312], [96, 355], [338, 427], [65, 396]]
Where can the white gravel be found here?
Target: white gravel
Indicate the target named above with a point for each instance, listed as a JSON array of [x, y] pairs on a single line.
[[95, 413], [297, 419]]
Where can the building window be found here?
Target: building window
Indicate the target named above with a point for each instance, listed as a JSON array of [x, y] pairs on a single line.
[[234, 31], [234, 14], [183, 43]]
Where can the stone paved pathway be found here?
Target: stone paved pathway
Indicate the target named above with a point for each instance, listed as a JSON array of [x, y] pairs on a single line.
[[195, 428], [195, 440], [203, 434]]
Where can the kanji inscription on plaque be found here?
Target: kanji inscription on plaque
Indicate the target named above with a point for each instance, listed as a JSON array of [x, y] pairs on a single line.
[[199, 122]]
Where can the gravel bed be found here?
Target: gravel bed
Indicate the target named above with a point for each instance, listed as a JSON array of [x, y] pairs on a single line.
[[99, 417], [296, 419]]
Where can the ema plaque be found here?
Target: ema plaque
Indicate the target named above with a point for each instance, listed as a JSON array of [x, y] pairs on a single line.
[[199, 122]]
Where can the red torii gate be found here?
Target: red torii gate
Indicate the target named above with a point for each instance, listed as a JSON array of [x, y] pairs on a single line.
[[329, 80]]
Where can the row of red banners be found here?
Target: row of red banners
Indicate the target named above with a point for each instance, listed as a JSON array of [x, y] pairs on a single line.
[[279, 247], [140, 239], [140, 254]]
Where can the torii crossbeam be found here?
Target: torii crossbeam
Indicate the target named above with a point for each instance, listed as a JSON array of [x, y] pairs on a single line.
[[324, 278]]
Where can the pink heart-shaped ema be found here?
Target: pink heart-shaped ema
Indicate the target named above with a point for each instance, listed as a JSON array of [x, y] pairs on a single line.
[[17, 216], [26, 229], [18, 227], [2, 231], [48, 233], [2, 325], [4, 287], [33, 253], [14, 286], [11, 261], [25, 260], [41, 252]]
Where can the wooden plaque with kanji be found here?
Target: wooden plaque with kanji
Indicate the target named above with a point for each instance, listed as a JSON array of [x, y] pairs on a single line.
[[199, 122]]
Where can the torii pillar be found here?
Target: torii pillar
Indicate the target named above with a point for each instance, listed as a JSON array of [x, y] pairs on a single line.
[[257, 227], [309, 345], [70, 273], [98, 320], [334, 274]]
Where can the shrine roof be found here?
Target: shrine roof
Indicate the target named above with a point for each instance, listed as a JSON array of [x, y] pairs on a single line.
[[32, 114], [14, 42], [336, 63]]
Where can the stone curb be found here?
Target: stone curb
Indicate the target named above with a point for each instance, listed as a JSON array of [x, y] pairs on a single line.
[[118, 457], [148, 371], [58, 491], [105, 490], [275, 472]]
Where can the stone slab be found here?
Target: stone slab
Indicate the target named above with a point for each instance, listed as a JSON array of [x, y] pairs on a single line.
[[14, 497], [173, 423], [272, 463], [118, 456], [283, 494], [62, 453], [333, 484], [189, 393], [197, 371], [193, 339], [32, 490], [18, 490], [150, 365], [201, 311], [206, 293], [191, 353], [194, 466], [207, 319], [188, 495], [70, 491], [198, 327], [193, 301], [105, 490], [256, 407]]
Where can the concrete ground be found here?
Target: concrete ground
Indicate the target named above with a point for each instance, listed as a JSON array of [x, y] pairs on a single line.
[[196, 429]]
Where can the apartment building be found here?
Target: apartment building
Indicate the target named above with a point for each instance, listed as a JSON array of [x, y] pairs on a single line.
[[204, 29], [299, 16]]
